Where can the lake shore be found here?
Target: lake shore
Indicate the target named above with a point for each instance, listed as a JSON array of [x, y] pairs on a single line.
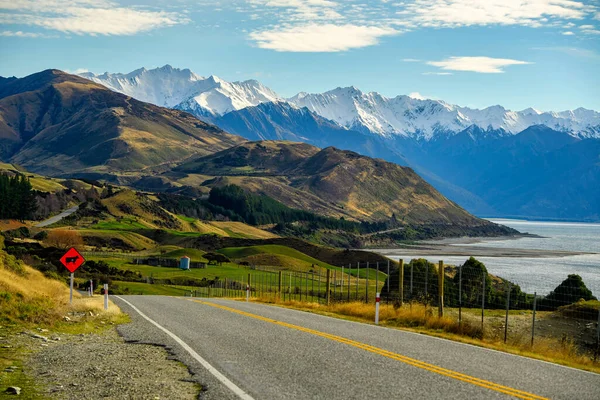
[[467, 246]]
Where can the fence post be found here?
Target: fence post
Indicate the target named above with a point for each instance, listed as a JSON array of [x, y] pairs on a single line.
[[306, 286], [533, 322], [401, 281], [483, 300], [376, 308], [377, 278], [106, 296], [349, 275], [507, 307], [426, 283], [367, 285], [312, 285], [411, 279], [334, 285], [71, 288], [441, 289], [459, 296], [357, 278], [319, 287], [388, 279], [249, 281], [328, 287], [279, 284], [598, 334]]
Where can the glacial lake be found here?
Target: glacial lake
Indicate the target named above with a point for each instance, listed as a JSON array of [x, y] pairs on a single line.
[[539, 275]]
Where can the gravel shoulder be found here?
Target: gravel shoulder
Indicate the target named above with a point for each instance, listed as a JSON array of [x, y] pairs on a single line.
[[102, 365]]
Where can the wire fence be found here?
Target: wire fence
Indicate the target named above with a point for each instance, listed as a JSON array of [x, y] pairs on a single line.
[[464, 293]]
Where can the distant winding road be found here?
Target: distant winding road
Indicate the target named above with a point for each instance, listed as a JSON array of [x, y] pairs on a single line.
[[57, 218], [239, 350]]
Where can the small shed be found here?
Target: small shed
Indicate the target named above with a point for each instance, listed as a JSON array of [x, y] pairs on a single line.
[[184, 263]]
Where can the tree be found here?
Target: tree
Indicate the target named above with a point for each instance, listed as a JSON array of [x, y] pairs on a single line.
[[17, 198], [570, 291], [216, 258], [64, 239], [472, 282]]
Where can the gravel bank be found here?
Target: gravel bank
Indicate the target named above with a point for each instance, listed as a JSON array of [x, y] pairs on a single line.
[[105, 366]]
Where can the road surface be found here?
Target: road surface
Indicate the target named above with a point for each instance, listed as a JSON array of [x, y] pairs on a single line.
[[239, 350], [57, 218]]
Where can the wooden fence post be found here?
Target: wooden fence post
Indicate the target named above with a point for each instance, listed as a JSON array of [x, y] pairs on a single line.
[[279, 284], [328, 287], [401, 281], [441, 289]]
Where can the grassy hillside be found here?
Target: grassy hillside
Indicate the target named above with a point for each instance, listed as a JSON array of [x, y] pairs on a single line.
[[61, 124], [331, 182], [242, 252]]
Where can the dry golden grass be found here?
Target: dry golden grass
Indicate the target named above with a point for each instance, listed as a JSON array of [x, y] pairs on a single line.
[[415, 317], [244, 229], [30, 298], [9, 224]]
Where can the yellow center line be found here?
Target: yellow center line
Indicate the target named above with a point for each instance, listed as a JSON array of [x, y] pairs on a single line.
[[395, 356]]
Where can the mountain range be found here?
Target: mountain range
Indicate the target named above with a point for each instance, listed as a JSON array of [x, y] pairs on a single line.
[[63, 125], [493, 162]]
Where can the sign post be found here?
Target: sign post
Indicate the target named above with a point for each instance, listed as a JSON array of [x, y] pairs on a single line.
[[72, 260], [377, 299]]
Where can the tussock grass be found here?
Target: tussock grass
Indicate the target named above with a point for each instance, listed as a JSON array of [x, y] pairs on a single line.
[[27, 297], [417, 318]]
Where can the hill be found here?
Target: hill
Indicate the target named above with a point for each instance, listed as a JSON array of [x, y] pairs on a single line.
[[331, 182], [62, 124]]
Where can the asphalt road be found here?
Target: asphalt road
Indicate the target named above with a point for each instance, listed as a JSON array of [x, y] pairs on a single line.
[[57, 218], [247, 350]]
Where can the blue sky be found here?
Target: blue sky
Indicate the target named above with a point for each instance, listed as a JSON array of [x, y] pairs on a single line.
[[518, 53]]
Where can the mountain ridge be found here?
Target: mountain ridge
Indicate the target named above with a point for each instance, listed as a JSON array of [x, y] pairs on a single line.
[[370, 112]]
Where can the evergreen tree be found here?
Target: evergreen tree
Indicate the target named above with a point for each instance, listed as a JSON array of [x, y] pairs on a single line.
[[17, 198]]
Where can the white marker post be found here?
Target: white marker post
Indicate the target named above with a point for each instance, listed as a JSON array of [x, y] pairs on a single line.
[[71, 289], [106, 296], [377, 308], [247, 293], [91, 288]]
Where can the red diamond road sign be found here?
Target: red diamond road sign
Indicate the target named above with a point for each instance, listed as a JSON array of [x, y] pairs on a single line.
[[72, 259]]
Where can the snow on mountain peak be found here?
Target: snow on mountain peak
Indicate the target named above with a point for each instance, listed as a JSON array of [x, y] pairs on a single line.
[[409, 116]]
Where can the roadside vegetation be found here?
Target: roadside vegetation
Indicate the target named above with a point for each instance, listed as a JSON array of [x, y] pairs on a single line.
[[418, 318]]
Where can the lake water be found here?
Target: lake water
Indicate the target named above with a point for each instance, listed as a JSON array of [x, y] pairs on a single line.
[[540, 275]]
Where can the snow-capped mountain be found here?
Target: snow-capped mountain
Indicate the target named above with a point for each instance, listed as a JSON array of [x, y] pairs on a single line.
[[350, 108], [184, 90], [423, 119], [165, 86]]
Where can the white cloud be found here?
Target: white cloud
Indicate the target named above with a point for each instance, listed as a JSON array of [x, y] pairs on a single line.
[[93, 17], [589, 30], [458, 13], [437, 73], [484, 65], [417, 96], [77, 71], [411, 60], [568, 33], [320, 37], [303, 10], [21, 34]]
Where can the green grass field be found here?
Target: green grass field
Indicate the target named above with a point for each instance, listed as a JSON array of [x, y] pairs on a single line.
[[242, 252], [194, 254], [126, 224]]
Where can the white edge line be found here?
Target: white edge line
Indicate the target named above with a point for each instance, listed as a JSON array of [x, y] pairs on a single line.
[[232, 386], [422, 335]]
